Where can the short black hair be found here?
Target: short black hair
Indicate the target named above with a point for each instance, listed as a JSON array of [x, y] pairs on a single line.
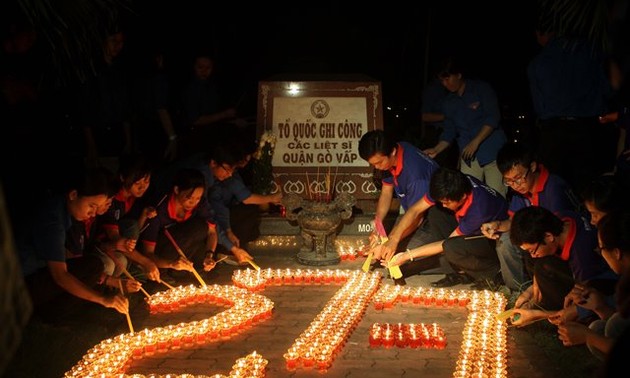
[[374, 142], [530, 224], [513, 154], [450, 184]]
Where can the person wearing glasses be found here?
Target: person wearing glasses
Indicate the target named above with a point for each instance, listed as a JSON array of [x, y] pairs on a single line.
[[600, 336], [531, 184], [561, 246]]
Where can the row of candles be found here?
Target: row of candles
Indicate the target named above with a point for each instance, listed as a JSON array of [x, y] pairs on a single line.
[[255, 280], [484, 346], [407, 335], [318, 345], [386, 298], [112, 357], [483, 352]]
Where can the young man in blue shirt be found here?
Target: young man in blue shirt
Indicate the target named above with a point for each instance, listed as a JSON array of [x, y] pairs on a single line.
[[473, 204]]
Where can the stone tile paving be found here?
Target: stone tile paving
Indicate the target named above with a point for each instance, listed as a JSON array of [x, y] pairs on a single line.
[[295, 307]]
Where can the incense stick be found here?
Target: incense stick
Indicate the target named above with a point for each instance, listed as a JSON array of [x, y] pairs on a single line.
[[182, 255], [308, 185], [474, 237], [148, 221], [167, 285], [126, 313]]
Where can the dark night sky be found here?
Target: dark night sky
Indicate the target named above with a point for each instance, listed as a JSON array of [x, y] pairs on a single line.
[[387, 42]]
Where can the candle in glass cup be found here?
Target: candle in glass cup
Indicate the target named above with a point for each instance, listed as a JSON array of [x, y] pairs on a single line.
[[151, 345], [308, 360], [291, 359], [162, 343]]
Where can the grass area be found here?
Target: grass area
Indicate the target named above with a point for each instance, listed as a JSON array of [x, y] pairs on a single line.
[[574, 361]]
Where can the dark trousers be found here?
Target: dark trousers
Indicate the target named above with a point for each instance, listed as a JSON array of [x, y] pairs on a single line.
[[475, 257], [438, 225], [190, 236], [555, 281], [46, 293]]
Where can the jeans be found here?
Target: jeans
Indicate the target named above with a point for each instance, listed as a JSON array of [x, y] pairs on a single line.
[[513, 269]]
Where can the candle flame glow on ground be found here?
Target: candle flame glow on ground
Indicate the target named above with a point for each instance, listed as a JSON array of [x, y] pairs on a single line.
[[483, 351]]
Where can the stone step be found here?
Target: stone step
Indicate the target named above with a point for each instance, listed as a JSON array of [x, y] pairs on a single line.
[[356, 225]]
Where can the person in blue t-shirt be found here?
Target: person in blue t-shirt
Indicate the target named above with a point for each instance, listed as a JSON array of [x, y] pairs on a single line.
[[409, 175], [473, 203], [531, 184], [562, 246], [472, 118], [216, 165], [53, 274]]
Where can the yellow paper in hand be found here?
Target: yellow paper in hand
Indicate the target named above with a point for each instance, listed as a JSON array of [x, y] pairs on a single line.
[[253, 264], [505, 315], [366, 264], [394, 271]]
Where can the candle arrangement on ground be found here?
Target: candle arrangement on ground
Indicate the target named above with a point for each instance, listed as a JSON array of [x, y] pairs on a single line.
[[484, 346], [483, 352], [407, 335], [323, 339], [389, 295], [112, 357], [257, 280]]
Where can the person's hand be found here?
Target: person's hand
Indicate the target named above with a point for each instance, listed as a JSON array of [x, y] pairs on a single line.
[[118, 302], [468, 152], [183, 264], [524, 300], [209, 263], [431, 152], [276, 198], [151, 270], [491, 230], [522, 317], [572, 333], [130, 244], [149, 212], [388, 250], [585, 297], [567, 314], [396, 260], [241, 255], [233, 238], [131, 286]]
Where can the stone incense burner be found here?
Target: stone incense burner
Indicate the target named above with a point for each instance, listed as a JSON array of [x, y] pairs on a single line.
[[319, 223]]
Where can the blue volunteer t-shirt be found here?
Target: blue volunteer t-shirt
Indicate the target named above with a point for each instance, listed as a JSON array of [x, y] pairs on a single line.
[[45, 236], [483, 205], [550, 191], [412, 175]]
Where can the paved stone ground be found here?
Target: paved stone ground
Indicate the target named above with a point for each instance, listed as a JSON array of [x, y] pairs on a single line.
[[44, 355]]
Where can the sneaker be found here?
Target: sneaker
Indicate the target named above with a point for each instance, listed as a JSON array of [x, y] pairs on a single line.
[[228, 259], [400, 282], [452, 279]]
